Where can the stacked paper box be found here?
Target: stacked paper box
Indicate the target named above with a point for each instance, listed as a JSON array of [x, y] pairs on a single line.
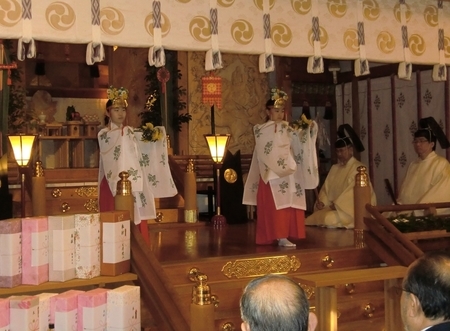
[[11, 252], [123, 307], [64, 310], [44, 310], [34, 250], [24, 313], [4, 315], [92, 310], [61, 230], [87, 245], [115, 234]]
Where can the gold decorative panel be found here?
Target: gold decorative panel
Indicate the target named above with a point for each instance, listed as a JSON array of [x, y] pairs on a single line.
[[91, 205], [86, 191], [261, 266]]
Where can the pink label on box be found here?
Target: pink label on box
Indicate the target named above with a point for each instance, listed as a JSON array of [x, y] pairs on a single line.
[[12, 225], [34, 250], [64, 302], [24, 313], [4, 314], [92, 310]]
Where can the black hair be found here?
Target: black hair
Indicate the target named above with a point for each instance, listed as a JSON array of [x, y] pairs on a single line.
[[428, 279], [108, 105]]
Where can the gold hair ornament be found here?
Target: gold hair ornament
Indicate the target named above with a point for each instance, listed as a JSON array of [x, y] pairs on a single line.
[[280, 97]]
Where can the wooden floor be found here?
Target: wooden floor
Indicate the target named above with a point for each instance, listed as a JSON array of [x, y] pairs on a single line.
[[174, 243], [179, 242]]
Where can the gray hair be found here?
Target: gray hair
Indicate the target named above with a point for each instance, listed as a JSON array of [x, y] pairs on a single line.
[[274, 302]]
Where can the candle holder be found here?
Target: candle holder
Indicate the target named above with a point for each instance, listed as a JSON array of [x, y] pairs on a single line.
[[217, 144]]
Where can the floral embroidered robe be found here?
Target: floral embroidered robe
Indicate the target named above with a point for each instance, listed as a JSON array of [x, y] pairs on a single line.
[[286, 159], [145, 162]]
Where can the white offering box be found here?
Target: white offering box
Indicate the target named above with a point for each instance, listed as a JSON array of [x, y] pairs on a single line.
[[24, 313], [11, 252], [87, 245], [92, 310], [4, 315], [115, 234], [64, 310], [61, 231], [34, 250], [44, 310], [123, 308]]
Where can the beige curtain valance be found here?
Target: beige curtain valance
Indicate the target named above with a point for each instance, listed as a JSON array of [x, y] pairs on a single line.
[[415, 31]]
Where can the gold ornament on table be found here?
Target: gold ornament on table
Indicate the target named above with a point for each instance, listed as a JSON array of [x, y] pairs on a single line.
[[280, 97], [118, 96]]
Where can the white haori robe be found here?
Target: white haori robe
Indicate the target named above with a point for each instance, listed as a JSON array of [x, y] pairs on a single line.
[[148, 169], [154, 162], [427, 181], [286, 158]]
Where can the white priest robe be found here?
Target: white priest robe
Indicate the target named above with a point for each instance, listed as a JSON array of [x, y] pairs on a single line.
[[337, 190], [427, 181], [145, 162], [286, 158]]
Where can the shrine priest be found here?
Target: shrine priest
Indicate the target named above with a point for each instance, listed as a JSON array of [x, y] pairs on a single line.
[[334, 204], [427, 179]]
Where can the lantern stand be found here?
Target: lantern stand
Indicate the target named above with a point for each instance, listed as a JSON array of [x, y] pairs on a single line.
[[217, 144], [22, 146]]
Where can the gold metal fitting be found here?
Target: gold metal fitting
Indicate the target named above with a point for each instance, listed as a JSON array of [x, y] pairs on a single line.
[[361, 178], [201, 292], [38, 170], [327, 261], [190, 166], [123, 185], [228, 326], [369, 310]]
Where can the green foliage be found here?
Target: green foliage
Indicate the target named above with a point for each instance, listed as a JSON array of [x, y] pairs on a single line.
[[152, 113], [412, 223], [18, 114]]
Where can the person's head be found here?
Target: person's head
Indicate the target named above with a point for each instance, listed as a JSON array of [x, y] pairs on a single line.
[[116, 106], [346, 142], [425, 299], [344, 150], [424, 142], [275, 302], [274, 113]]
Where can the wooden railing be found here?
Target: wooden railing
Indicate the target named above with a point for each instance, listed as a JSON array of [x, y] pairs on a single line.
[[156, 289], [391, 245]]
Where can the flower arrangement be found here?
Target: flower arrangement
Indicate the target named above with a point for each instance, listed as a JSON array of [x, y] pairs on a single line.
[[279, 96], [302, 123], [150, 133]]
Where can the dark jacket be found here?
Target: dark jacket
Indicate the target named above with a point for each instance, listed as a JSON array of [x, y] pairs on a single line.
[[440, 327]]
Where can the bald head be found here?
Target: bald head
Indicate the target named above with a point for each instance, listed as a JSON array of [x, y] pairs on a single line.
[[274, 302]]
